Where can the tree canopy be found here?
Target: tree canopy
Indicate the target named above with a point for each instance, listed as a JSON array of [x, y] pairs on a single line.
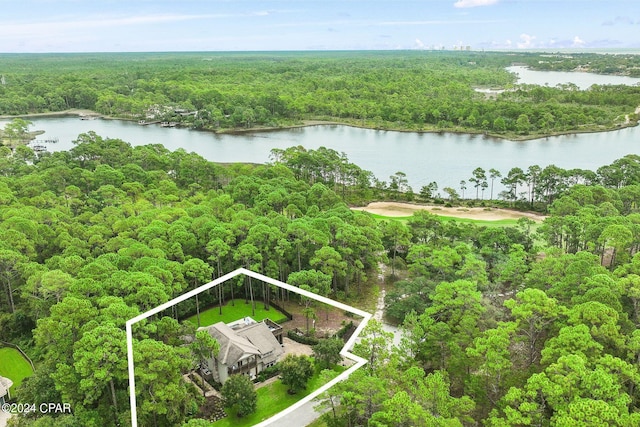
[[421, 90]]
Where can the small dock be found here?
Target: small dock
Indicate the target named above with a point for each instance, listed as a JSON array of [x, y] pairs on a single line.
[[88, 116], [53, 140], [40, 145]]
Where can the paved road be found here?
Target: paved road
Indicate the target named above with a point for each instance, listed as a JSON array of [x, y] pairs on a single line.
[[4, 417], [303, 416]]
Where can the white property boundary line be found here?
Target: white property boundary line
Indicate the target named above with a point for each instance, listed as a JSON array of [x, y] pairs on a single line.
[[344, 352]]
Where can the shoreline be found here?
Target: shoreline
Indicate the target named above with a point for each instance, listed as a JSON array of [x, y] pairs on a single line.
[[304, 124], [309, 123], [315, 122], [71, 112]]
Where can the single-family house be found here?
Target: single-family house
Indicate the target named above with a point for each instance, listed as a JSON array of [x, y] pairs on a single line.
[[5, 385], [246, 347]]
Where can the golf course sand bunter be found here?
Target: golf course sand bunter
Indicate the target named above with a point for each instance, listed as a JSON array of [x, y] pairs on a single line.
[[397, 209]]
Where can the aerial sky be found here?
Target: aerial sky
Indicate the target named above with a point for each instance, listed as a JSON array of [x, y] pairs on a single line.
[[240, 25]]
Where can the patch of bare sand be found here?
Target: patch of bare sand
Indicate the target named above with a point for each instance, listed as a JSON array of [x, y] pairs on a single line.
[[293, 347], [396, 209], [73, 112]]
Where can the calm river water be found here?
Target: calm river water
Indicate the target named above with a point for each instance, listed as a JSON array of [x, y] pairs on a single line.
[[582, 80], [444, 158]]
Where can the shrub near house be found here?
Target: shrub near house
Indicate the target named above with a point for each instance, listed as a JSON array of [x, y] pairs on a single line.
[[238, 393], [327, 352], [295, 372]]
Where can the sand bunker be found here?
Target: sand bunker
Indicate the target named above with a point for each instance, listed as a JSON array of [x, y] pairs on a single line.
[[396, 209]]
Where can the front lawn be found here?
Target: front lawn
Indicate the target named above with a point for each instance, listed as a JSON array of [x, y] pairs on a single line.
[[231, 313], [14, 366], [272, 399]]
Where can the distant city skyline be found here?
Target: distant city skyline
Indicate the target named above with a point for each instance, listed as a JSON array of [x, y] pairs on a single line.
[[241, 25]]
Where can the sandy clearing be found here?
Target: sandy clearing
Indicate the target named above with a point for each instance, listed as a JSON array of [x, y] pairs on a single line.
[[396, 209], [627, 119], [293, 347], [71, 112]]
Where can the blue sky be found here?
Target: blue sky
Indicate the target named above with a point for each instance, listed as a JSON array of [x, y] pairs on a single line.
[[232, 25]]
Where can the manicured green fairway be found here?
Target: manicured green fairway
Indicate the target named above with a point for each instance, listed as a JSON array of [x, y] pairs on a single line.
[[272, 399], [231, 313], [481, 222], [497, 223], [14, 366]]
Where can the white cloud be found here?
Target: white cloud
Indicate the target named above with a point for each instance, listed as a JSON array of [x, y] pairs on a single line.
[[462, 4], [495, 44], [527, 41], [578, 42], [419, 44], [439, 22], [69, 24], [621, 20], [55, 32], [70, 33], [73, 23]]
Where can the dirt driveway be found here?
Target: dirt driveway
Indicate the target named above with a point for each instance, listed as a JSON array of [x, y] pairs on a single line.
[[292, 347]]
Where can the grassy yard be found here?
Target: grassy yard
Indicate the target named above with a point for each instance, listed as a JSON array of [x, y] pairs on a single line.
[[231, 313], [272, 399], [14, 366]]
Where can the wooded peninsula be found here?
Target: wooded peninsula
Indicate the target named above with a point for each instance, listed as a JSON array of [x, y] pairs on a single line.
[[410, 90]]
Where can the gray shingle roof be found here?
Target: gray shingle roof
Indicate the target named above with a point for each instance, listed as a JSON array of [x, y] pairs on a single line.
[[232, 346], [254, 339], [260, 336]]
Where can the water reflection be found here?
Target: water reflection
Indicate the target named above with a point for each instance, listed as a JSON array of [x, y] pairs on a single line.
[[446, 158]]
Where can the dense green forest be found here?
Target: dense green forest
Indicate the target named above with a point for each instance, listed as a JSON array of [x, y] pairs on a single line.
[[618, 64], [505, 326], [99, 234], [422, 90], [501, 330]]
